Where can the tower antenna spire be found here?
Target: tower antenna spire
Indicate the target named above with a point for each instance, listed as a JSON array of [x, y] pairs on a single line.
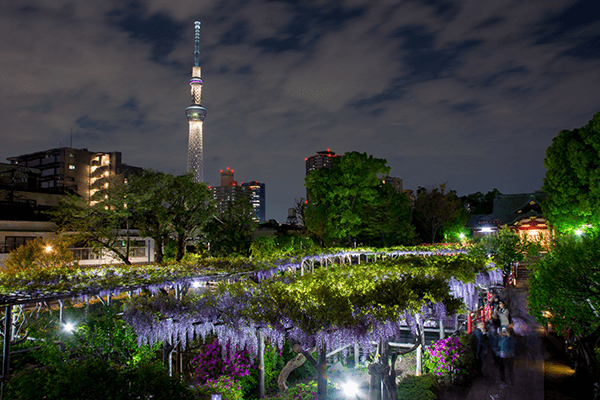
[[197, 43]]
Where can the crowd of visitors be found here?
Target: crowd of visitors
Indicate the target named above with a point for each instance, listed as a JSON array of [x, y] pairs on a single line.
[[495, 338]]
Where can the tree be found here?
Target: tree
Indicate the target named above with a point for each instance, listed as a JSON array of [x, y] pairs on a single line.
[[437, 208], [564, 291], [506, 247], [153, 215], [387, 222], [573, 178], [230, 233], [191, 207], [104, 221], [479, 203], [343, 200]]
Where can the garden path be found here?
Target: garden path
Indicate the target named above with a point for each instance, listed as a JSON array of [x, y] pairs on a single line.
[[529, 359]]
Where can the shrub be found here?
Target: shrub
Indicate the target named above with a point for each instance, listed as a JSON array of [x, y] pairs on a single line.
[[417, 388], [93, 378], [228, 387], [40, 254], [450, 359]]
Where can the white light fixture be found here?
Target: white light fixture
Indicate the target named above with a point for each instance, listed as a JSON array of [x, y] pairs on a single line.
[[350, 389], [69, 327], [578, 232], [461, 235], [486, 229]]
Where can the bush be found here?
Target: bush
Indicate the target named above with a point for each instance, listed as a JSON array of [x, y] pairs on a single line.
[[228, 387], [450, 359], [417, 388], [92, 378], [40, 254]]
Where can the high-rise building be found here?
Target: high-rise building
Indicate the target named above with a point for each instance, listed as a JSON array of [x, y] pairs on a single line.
[[78, 171], [230, 190], [195, 114], [257, 198], [226, 192], [395, 182], [322, 159]]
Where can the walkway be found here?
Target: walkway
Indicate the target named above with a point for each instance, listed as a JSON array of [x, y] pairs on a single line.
[[529, 359]]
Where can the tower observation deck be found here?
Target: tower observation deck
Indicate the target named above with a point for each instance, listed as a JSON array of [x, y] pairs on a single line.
[[195, 114]]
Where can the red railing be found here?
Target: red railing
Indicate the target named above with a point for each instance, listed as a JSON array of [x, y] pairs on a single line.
[[481, 314]]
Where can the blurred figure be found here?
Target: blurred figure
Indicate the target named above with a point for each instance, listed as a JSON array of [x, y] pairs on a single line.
[[507, 345]]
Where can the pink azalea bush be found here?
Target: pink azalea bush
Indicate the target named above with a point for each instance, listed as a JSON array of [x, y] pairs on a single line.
[[212, 362], [450, 359]]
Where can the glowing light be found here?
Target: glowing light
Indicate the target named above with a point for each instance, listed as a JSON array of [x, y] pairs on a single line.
[[578, 232], [461, 235], [486, 229], [48, 249], [196, 284], [350, 389], [69, 327]]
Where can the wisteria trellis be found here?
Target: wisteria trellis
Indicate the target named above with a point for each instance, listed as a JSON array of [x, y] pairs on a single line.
[[228, 315]]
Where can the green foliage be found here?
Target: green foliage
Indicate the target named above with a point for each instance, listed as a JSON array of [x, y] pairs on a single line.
[[564, 288], [417, 387], [103, 221], [103, 335], [437, 209], [39, 254], [228, 387], [450, 359], [266, 247], [573, 178], [350, 200], [230, 233], [338, 296], [479, 203], [92, 378], [506, 247]]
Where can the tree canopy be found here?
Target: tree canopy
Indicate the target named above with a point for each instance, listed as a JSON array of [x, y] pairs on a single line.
[[479, 203], [350, 201], [573, 178], [438, 208], [565, 285]]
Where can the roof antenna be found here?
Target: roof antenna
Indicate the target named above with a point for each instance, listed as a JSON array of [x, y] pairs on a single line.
[[197, 43]]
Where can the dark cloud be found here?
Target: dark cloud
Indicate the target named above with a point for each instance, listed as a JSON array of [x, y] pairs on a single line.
[[158, 29], [437, 88], [86, 122]]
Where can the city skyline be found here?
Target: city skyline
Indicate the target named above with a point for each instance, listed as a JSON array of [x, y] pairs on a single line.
[[447, 91]]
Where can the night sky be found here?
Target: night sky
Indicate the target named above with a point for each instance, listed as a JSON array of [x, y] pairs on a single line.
[[466, 92]]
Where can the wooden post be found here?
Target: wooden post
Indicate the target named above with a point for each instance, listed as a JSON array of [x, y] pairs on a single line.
[[442, 333], [322, 374], [261, 365], [6, 347]]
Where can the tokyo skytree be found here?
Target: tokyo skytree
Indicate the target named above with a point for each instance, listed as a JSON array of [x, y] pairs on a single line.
[[195, 114]]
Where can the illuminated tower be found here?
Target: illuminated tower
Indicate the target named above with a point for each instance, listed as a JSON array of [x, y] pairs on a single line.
[[196, 113]]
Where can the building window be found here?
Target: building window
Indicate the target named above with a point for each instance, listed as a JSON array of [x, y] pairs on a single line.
[[71, 166], [72, 155], [12, 242]]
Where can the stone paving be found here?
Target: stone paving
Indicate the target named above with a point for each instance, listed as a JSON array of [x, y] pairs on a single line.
[[529, 359]]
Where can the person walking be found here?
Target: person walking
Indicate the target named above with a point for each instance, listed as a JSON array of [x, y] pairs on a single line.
[[502, 315], [482, 345], [507, 344]]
